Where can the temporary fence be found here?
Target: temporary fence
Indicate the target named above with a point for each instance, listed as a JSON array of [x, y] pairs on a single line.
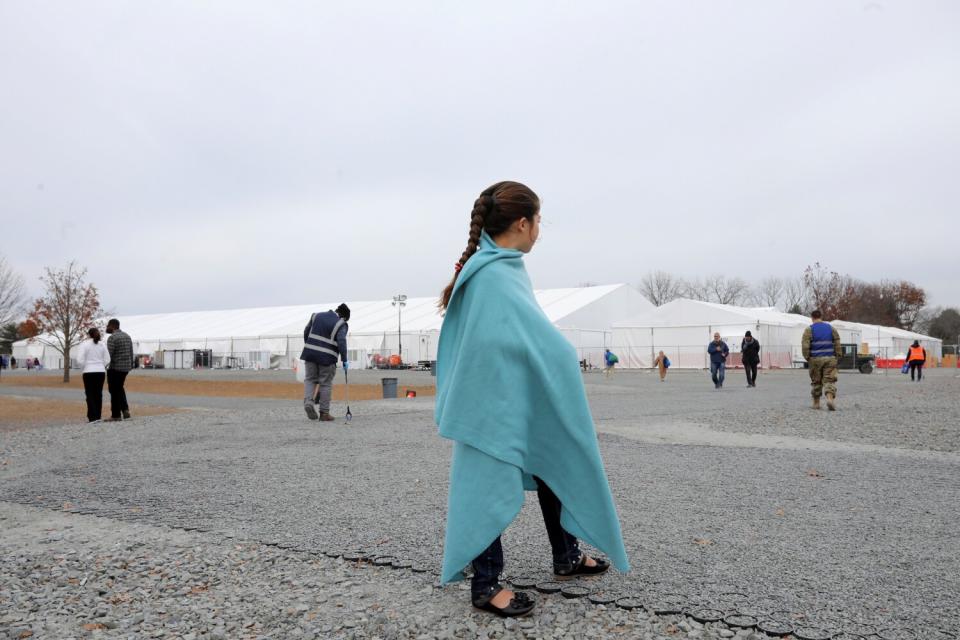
[[388, 350], [771, 357]]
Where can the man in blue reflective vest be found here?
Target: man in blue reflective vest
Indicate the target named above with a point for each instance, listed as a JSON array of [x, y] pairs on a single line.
[[324, 341], [821, 348]]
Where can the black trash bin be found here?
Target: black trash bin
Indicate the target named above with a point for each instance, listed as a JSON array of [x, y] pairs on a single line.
[[389, 387]]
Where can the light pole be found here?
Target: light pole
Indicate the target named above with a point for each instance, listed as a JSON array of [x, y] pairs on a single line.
[[399, 302]]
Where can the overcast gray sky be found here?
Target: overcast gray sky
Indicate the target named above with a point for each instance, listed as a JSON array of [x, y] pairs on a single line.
[[233, 154]]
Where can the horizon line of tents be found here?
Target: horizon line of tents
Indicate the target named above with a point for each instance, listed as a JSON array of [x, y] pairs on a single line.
[[592, 318]]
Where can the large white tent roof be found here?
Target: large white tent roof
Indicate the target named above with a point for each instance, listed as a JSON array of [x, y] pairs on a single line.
[[683, 312], [870, 330], [569, 307]]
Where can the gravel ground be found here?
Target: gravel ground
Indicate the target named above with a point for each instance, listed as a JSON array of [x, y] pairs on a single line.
[[838, 520], [68, 576], [881, 409]]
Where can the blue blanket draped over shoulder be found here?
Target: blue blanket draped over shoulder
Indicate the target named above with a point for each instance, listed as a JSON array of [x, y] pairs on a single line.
[[510, 394]]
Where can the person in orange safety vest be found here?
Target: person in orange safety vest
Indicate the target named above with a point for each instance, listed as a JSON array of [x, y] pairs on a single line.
[[916, 358]]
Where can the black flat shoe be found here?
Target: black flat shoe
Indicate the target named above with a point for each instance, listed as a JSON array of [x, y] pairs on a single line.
[[580, 568], [520, 604]]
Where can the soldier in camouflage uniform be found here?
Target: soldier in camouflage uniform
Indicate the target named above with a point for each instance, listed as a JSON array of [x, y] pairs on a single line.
[[821, 348]]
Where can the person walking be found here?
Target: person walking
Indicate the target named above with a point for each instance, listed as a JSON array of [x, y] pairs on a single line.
[[916, 358], [120, 347], [821, 348], [610, 360], [718, 351], [663, 363], [529, 428], [93, 359], [750, 356], [324, 340]]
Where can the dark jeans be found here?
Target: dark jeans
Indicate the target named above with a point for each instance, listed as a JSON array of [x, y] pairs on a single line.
[[717, 370], [118, 396], [751, 369], [488, 566], [916, 365], [93, 388]]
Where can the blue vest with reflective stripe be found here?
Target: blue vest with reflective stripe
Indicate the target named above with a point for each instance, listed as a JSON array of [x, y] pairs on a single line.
[[821, 340], [321, 343]]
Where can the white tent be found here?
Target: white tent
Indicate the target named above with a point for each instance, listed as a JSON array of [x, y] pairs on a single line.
[[892, 342], [28, 349], [682, 328], [273, 336]]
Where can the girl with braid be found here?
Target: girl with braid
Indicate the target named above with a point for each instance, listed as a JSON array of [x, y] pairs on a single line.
[[511, 397]]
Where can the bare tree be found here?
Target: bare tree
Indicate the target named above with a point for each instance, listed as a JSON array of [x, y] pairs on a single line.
[[796, 299], [925, 319], [696, 290], [727, 290], [67, 310], [11, 293], [769, 292], [661, 287]]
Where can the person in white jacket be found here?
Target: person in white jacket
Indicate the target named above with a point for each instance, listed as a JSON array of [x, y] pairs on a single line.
[[93, 359]]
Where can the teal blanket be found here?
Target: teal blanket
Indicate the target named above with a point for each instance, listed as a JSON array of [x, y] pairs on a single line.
[[510, 394]]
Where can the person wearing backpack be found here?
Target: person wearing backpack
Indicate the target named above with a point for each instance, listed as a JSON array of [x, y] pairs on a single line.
[[610, 359], [916, 358], [663, 363]]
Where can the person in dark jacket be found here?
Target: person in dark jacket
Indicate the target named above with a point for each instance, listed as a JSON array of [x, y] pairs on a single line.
[[718, 351], [324, 341], [120, 347], [916, 358], [750, 356]]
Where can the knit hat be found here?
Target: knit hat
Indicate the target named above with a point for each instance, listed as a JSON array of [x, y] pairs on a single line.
[[748, 335]]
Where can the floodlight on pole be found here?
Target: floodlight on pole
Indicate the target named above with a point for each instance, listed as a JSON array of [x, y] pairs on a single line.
[[399, 301]]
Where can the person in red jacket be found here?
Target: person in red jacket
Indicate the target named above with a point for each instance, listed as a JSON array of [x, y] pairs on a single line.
[[916, 358]]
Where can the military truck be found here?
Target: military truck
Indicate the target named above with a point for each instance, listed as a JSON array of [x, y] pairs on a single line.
[[851, 359]]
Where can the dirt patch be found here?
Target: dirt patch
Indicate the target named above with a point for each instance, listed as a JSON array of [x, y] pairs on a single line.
[[18, 413], [220, 388]]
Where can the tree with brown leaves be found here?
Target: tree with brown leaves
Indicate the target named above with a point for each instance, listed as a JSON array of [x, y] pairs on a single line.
[[908, 301], [69, 307], [830, 292]]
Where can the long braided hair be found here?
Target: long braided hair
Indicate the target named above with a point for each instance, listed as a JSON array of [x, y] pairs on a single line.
[[497, 207]]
